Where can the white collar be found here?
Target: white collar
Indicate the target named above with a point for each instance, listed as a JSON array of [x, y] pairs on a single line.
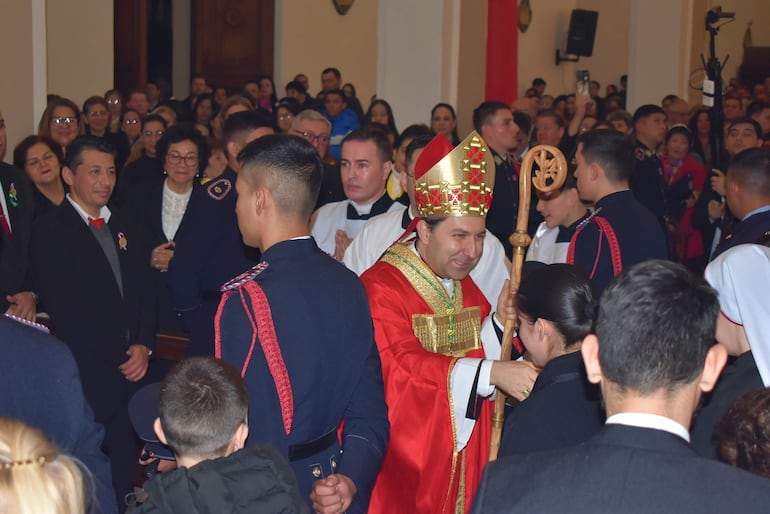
[[104, 212], [646, 420]]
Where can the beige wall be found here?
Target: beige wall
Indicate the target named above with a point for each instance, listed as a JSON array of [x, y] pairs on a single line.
[[410, 58], [658, 66], [548, 31], [22, 26], [311, 36], [730, 37], [537, 47], [610, 58], [80, 48]]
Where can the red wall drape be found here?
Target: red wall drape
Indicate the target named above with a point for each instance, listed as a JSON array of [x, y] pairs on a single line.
[[502, 50]]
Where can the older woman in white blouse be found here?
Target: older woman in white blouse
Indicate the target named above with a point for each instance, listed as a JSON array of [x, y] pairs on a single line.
[[160, 205]]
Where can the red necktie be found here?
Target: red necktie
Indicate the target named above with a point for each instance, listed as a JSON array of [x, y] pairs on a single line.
[[98, 222], [4, 225]]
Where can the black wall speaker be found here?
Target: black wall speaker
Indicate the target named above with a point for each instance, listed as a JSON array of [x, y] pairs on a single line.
[[582, 30]]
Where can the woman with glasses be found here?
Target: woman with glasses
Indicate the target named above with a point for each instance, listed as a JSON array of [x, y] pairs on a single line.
[[285, 112], [159, 205], [115, 106], [60, 122], [131, 125], [40, 158], [144, 165]]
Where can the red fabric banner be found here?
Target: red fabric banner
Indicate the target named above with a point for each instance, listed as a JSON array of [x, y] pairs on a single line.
[[502, 51]]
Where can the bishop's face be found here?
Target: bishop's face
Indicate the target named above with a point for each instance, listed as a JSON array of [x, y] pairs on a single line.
[[453, 247]]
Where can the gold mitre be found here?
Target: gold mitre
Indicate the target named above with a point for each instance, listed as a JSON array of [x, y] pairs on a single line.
[[454, 181]]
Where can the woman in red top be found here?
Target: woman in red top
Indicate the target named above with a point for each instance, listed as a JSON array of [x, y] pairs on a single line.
[[685, 177]]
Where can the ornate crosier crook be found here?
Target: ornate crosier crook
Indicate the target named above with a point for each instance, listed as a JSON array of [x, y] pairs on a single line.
[[546, 167]]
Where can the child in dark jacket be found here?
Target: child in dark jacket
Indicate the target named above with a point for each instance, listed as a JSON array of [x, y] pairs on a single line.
[[203, 406]]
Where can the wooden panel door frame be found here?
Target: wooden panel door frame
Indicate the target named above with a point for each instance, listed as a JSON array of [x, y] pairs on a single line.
[[232, 12], [130, 44]]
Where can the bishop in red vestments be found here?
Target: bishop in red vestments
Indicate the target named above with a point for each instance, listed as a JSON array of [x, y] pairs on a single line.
[[437, 340]]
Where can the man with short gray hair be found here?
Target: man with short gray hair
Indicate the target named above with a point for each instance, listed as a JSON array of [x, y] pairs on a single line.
[[315, 128]]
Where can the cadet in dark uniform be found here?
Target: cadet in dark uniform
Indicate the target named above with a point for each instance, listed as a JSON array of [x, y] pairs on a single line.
[[298, 326], [647, 182], [621, 232], [209, 250], [748, 196]]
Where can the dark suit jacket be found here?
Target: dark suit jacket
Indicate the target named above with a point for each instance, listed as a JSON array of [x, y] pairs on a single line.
[[73, 278], [621, 469], [13, 252], [41, 387], [738, 377], [748, 231], [564, 409], [640, 237], [209, 252], [144, 203]]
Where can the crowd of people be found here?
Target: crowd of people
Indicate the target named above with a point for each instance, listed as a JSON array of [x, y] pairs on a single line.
[[342, 288]]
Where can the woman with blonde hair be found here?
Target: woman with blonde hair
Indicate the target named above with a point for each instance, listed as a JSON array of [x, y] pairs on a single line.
[[37, 478], [235, 103]]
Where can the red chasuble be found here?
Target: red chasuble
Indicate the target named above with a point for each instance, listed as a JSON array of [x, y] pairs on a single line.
[[422, 473]]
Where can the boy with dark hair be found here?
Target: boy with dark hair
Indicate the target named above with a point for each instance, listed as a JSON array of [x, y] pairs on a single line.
[[203, 406]]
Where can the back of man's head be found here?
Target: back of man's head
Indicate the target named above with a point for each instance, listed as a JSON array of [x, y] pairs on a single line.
[[483, 114], [203, 401], [611, 150], [377, 136], [296, 85], [289, 167], [655, 326], [238, 124], [645, 111], [411, 132], [750, 169], [416, 144]]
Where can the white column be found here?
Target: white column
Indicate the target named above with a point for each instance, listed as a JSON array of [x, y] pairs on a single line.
[[416, 56], [658, 50]]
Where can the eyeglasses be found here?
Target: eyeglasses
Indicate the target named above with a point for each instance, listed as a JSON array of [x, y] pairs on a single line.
[[189, 159], [130, 122], [312, 137], [285, 117], [64, 120], [150, 133], [113, 101]]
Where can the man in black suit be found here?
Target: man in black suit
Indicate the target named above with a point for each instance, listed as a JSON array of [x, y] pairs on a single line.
[[16, 213], [653, 355], [41, 387], [90, 268]]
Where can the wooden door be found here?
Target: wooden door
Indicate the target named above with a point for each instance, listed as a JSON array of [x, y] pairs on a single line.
[[232, 40], [130, 24]]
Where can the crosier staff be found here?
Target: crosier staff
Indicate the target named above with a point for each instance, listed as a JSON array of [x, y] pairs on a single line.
[[550, 172]]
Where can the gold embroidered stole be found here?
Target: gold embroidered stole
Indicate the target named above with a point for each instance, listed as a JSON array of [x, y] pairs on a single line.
[[451, 329]]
